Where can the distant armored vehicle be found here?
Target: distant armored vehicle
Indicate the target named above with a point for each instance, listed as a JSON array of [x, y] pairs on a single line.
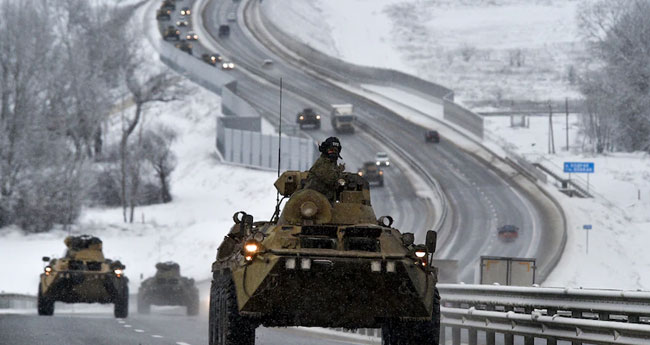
[[322, 264], [381, 159], [185, 46], [163, 14], [224, 30], [172, 33], [371, 172], [83, 275], [168, 287], [211, 59], [308, 117], [342, 118]]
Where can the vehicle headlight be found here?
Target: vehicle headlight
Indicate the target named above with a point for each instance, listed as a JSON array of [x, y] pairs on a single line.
[[251, 247], [420, 253], [302, 117], [381, 172], [231, 65], [308, 209], [360, 173], [48, 270], [387, 163], [118, 272], [377, 163], [317, 117]]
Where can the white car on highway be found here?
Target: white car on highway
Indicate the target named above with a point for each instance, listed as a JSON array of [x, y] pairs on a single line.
[[381, 159]]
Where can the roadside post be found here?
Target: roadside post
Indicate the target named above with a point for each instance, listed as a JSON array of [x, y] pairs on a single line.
[[587, 228]]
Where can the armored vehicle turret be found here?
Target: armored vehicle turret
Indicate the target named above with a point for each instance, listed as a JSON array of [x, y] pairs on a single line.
[[83, 275], [323, 263], [168, 287]]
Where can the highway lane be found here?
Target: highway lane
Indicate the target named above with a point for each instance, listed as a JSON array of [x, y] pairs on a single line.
[[481, 198], [164, 326]]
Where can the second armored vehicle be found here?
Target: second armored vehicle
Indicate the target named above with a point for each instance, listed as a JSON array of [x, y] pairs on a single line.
[[371, 172], [308, 117], [83, 275], [322, 264], [168, 287]]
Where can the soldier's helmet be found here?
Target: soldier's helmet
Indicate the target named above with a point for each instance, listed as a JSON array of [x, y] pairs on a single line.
[[331, 146]]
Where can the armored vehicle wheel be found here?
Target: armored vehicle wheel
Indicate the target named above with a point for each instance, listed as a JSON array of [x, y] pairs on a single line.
[[227, 327], [45, 305], [143, 306], [121, 309], [415, 332], [193, 306]]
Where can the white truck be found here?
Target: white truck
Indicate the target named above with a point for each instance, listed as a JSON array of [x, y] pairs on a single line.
[[342, 118]]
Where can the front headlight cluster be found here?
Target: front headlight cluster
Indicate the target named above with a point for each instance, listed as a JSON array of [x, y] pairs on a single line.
[[48, 270], [118, 272], [251, 249]]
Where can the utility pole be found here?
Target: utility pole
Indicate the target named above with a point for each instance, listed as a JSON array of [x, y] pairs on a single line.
[[551, 140], [566, 107]]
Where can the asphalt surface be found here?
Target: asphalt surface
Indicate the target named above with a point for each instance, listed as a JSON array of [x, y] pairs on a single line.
[[164, 326]]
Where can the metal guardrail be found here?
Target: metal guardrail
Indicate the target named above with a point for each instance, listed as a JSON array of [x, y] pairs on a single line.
[[581, 316]]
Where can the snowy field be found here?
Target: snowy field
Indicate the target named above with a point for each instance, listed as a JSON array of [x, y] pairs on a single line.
[[489, 52]]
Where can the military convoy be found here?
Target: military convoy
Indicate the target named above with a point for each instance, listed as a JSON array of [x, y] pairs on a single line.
[[322, 264], [83, 275], [168, 287]]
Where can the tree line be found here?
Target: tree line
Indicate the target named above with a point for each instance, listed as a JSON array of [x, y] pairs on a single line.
[[616, 82], [64, 65]]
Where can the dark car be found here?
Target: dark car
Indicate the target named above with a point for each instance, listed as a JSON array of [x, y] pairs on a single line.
[[371, 172], [432, 136], [172, 33], [224, 30], [308, 117], [212, 59], [163, 14], [185, 46], [508, 233]]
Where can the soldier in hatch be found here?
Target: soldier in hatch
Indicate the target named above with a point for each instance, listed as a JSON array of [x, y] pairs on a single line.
[[325, 173]]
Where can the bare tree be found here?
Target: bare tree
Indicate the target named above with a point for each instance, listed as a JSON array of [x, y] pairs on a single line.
[[159, 87], [157, 151]]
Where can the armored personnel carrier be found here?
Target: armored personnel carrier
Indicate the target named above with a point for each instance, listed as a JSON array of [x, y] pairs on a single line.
[[323, 264], [83, 275], [168, 287]]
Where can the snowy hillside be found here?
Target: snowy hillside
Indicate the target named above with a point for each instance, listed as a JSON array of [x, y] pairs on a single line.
[[492, 51]]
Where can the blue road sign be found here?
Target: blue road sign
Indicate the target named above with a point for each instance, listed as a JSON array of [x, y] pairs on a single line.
[[587, 226], [579, 167]]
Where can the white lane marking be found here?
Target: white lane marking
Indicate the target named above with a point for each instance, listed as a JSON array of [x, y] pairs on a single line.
[[138, 330], [181, 343], [127, 326], [121, 321], [156, 336]]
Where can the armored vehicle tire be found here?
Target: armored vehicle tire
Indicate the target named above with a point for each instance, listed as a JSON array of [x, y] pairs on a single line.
[[193, 306], [226, 326], [414, 332], [45, 305], [121, 308], [143, 306]]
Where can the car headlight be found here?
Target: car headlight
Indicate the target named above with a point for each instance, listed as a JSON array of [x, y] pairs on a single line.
[[377, 163], [387, 163], [231, 65], [302, 117], [317, 117]]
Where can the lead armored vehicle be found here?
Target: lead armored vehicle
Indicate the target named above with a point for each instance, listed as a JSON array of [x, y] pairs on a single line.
[[168, 287], [323, 264], [83, 275]]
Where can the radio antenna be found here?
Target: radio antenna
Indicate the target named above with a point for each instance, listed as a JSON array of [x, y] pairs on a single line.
[[280, 131], [277, 196]]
